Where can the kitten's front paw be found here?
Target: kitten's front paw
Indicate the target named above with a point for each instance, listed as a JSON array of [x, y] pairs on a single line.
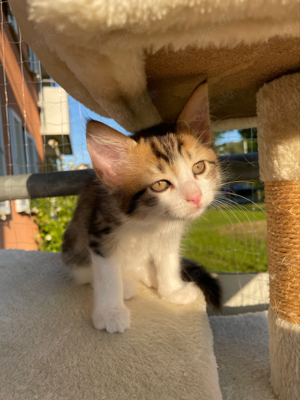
[[112, 319], [185, 295], [129, 288]]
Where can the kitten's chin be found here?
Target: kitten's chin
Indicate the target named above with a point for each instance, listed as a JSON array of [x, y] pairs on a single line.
[[196, 213], [189, 215]]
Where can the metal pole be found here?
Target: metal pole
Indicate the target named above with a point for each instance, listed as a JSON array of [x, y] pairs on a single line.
[[237, 167]]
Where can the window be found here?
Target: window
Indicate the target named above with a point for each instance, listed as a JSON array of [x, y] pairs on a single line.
[[33, 62], [13, 22], [2, 148], [22, 144], [22, 206], [4, 209], [2, 155], [31, 154], [17, 144]]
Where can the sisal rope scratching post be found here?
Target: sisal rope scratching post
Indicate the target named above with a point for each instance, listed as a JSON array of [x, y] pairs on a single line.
[[278, 110]]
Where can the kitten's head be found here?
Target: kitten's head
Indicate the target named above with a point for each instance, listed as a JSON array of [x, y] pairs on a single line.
[[171, 176]]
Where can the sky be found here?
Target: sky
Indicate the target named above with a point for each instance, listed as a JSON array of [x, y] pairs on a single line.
[[228, 137], [79, 114]]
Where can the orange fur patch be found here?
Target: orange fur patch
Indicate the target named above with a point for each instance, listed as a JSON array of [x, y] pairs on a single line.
[[142, 168]]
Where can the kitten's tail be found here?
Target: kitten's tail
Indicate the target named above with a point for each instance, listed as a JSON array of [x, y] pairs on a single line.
[[194, 272]]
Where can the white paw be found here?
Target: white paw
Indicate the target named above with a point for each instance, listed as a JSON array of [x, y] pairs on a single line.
[[129, 288], [185, 295], [112, 319]]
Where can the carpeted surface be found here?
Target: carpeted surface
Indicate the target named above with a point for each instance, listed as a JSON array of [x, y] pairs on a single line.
[[242, 352], [50, 350]]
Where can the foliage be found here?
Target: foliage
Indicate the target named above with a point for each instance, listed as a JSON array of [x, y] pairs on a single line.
[[230, 148], [250, 134], [52, 216]]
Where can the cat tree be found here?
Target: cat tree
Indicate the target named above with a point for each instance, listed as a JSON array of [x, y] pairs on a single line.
[[139, 62], [278, 111]]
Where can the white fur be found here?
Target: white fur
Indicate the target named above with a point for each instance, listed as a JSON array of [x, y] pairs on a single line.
[[131, 260], [129, 288], [84, 275], [109, 312]]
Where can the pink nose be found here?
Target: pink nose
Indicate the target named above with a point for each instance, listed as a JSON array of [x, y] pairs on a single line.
[[194, 198]]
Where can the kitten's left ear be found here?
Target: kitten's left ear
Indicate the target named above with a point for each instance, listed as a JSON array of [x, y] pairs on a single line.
[[195, 116]]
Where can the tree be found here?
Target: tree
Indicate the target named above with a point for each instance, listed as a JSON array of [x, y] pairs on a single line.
[[229, 148], [52, 215], [249, 135]]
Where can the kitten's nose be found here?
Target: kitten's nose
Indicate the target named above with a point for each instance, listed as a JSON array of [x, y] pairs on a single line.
[[191, 192], [195, 198]]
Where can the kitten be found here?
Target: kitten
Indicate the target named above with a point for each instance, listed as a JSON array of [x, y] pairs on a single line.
[[128, 223]]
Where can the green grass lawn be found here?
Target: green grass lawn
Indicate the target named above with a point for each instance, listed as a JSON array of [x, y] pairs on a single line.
[[231, 239]]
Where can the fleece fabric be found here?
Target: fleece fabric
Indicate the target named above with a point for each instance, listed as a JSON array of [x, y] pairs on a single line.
[[139, 61], [241, 349], [50, 350], [285, 357]]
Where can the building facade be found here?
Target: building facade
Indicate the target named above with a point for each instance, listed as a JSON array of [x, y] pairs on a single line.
[[34, 127], [21, 144]]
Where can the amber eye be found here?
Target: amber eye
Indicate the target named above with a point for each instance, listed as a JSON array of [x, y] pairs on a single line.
[[160, 186], [198, 168]]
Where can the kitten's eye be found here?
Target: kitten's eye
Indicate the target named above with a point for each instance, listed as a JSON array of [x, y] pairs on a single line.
[[198, 168], [160, 186]]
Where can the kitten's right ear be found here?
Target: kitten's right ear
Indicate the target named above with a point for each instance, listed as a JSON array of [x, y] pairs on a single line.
[[109, 151]]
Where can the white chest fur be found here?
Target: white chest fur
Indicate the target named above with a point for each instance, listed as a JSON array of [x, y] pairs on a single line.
[[142, 250]]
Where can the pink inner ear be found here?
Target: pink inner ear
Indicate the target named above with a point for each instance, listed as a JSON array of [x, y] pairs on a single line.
[[109, 150], [103, 166], [106, 159]]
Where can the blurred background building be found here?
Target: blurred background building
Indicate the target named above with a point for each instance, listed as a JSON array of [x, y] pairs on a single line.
[[34, 127]]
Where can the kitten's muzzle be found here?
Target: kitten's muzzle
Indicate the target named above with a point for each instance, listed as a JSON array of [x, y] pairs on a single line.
[[196, 198], [191, 193]]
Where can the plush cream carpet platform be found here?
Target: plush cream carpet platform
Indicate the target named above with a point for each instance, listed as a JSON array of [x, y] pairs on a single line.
[[50, 350]]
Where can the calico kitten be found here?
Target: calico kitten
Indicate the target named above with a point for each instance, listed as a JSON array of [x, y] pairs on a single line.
[[128, 223]]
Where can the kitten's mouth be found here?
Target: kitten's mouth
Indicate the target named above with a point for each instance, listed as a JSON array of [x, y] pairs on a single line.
[[196, 207], [197, 210]]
